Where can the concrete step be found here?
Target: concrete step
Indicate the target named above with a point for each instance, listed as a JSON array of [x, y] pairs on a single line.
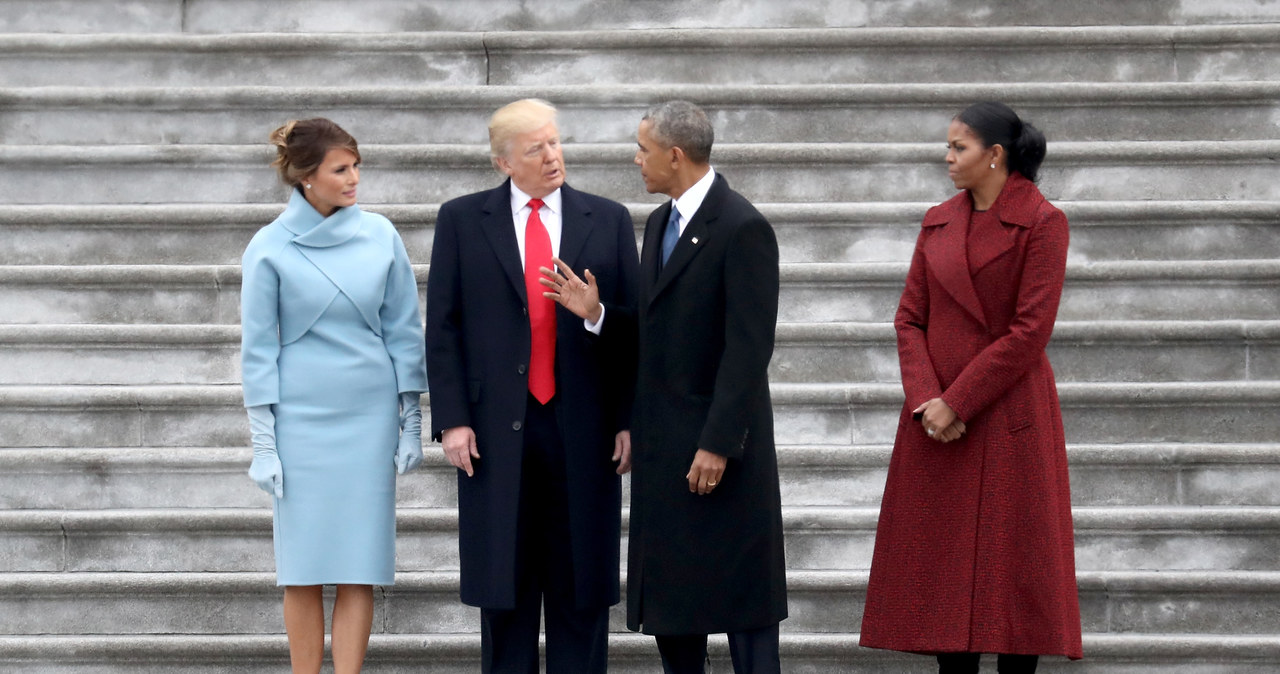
[[1207, 290], [1179, 412], [124, 354], [1133, 653], [805, 414], [114, 478], [607, 113], [811, 475], [377, 16], [784, 172], [737, 56], [1079, 351], [807, 232], [426, 603], [817, 538]]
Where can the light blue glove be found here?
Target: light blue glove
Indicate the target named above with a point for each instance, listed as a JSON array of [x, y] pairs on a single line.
[[265, 469], [409, 451]]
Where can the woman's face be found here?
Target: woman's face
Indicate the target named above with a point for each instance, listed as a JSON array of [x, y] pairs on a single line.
[[968, 162], [333, 185]]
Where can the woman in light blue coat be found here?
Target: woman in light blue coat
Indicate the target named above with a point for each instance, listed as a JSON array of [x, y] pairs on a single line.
[[333, 365]]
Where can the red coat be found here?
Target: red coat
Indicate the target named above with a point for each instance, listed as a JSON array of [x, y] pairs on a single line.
[[974, 550]]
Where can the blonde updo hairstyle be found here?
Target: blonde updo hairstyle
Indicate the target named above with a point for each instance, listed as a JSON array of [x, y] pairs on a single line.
[[513, 119], [301, 146]]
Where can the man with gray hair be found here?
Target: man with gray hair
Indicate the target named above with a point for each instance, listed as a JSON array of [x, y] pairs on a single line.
[[531, 403], [705, 542]]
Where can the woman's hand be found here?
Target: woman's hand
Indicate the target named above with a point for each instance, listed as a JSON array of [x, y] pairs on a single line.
[[939, 420]]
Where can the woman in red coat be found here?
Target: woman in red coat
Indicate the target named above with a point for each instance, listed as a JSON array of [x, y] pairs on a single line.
[[974, 550]]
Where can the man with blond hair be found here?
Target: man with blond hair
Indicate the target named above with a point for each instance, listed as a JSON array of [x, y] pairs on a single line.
[[532, 402]]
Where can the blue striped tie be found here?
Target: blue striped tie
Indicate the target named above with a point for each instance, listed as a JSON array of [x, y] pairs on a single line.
[[671, 234]]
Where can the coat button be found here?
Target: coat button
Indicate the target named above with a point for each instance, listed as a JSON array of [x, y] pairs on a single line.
[[516, 425], [521, 368]]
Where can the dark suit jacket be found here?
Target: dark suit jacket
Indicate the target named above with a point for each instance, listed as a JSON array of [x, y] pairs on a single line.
[[703, 564], [478, 339]]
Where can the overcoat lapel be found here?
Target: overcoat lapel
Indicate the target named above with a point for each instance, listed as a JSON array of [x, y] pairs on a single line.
[[1017, 206], [575, 225], [500, 231], [652, 245], [947, 253], [694, 237]]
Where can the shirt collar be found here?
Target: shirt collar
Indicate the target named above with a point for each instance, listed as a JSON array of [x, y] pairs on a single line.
[[692, 199], [519, 200]]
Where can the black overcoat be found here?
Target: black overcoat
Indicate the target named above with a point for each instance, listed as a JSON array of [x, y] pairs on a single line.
[[477, 336], [714, 563]]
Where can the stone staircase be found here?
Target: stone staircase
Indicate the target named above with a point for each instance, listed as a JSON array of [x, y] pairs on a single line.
[[134, 170]]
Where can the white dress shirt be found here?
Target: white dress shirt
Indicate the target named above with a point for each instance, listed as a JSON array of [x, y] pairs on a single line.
[[550, 213], [692, 199]]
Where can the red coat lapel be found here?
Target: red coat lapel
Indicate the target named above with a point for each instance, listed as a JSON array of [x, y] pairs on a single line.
[[946, 253], [1017, 205]]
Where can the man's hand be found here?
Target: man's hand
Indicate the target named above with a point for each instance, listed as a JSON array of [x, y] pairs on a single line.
[[460, 447], [566, 289], [706, 471], [622, 452]]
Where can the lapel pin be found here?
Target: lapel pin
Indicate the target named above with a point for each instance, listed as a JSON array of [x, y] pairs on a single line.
[[695, 240]]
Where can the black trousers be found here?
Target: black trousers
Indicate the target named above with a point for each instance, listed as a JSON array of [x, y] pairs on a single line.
[[752, 652], [577, 638], [967, 663]]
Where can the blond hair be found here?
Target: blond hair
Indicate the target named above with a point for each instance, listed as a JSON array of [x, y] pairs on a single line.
[[513, 119], [301, 146]]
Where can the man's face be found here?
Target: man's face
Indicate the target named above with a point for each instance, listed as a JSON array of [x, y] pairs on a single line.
[[657, 163], [535, 161]]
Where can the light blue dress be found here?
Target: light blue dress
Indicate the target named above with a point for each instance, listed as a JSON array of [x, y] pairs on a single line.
[[331, 336]]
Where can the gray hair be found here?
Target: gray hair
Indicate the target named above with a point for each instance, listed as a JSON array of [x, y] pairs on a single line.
[[684, 125]]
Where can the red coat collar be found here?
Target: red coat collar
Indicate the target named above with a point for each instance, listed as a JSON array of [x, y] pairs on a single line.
[[948, 251]]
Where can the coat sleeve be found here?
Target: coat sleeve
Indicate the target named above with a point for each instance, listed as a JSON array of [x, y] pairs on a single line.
[[259, 328], [751, 315], [446, 365], [988, 376], [619, 334], [402, 323], [919, 379]]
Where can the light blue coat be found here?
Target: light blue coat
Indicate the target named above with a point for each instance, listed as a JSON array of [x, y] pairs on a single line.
[[331, 335]]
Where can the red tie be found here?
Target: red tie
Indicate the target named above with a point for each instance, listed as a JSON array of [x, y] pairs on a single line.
[[542, 311]]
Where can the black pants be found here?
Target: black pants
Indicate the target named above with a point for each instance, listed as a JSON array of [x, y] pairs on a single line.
[[967, 663], [577, 638], [752, 652]]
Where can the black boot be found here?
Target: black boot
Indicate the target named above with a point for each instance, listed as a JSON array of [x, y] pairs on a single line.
[[958, 663]]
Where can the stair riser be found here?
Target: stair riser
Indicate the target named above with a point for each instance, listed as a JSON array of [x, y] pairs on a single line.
[[103, 486], [128, 487], [837, 300], [1085, 422], [797, 242], [773, 180], [294, 67], [430, 550], [821, 121], [886, 64], [1072, 361], [796, 424], [568, 64], [232, 16], [144, 363], [401, 611]]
